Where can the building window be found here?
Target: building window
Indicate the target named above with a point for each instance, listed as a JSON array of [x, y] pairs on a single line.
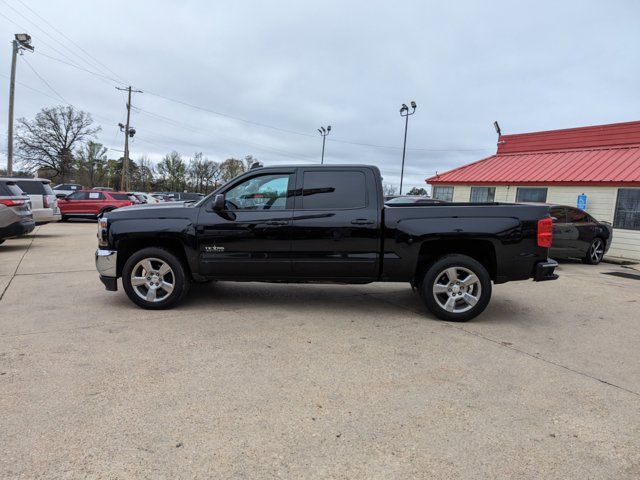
[[482, 194], [443, 193], [627, 209], [535, 195]]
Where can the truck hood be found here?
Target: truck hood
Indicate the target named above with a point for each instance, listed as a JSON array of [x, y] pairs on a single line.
[[151, 210]]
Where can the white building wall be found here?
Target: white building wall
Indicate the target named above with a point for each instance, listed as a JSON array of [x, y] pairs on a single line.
[[601, 204]]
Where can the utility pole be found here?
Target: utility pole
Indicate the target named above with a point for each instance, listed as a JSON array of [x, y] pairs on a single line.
[[404, 112], [324, 132], [22, 42], [128, 132]]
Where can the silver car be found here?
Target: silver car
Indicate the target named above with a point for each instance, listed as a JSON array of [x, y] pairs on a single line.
[[44, 203], [15, 211]]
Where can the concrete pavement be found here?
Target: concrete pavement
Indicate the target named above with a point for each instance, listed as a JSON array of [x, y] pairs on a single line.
[[311, 381]]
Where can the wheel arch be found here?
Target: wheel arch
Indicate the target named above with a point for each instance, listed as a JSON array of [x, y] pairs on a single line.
[[481, 250], [127, 247]]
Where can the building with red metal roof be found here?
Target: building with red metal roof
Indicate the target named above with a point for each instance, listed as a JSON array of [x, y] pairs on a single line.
[[601, 162]]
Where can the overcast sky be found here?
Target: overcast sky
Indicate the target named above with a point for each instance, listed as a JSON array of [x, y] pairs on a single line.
[[296, 65]]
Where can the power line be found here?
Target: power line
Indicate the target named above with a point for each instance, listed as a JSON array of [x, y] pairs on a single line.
[[96, 60], [43, 80]]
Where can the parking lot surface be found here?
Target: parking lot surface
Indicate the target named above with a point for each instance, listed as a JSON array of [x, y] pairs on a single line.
[[248, 380]]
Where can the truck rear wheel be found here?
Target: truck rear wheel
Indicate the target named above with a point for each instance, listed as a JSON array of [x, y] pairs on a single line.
[[456, 288], [154, 278]]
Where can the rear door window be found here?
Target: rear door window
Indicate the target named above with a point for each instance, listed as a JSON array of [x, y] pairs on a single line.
[[329, 190], [559, 214], [10, 189], [119, 196], [31, 187], [577, 216]]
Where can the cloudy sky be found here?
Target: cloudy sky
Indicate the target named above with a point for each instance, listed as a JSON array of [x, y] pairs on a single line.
[[232, 78]]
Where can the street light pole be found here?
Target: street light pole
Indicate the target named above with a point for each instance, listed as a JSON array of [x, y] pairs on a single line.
[[324, 132], [22, 42], [404, 112]]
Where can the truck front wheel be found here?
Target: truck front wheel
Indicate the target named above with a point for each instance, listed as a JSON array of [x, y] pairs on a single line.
[[154, 278], [456, 288]]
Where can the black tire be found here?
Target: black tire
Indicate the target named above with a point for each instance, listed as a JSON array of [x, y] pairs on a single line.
[[595, 252], [453, 302], [178, 278], [64, 218], [105, 210], [1, 241]]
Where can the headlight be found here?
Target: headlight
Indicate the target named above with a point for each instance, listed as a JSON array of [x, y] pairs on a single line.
[[103, 226]]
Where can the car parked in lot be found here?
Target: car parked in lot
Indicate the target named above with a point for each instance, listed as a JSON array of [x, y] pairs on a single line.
[[182, 196], [44, 204], [577, 234], [146, 197], [323, 224], [15, 211], [65, 189], [92, 203]]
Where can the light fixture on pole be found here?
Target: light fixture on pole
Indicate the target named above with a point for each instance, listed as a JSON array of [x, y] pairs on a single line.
[[22, 42], [324, 132], [404, 112]]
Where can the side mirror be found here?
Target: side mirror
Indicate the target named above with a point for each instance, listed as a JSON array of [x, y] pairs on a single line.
[[218, 203], [61, 196]]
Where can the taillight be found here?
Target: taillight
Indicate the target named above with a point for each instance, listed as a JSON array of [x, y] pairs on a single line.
[[545, 232], [9, 202], [45, 201]]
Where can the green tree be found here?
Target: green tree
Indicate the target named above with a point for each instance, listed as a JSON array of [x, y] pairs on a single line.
[[172, 171], [91, 159], [417, 191]]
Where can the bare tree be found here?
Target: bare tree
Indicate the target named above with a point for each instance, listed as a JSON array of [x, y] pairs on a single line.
[[49, 140], [231, 168], [389, 189]]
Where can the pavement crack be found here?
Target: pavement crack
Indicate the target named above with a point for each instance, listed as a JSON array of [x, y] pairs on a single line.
[[511, 347], [15, 272]]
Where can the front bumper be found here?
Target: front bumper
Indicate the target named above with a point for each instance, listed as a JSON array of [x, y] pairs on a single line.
[[106, 264], [544, 271]]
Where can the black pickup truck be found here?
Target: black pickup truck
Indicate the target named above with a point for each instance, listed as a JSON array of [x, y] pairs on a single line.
[[323, 224]]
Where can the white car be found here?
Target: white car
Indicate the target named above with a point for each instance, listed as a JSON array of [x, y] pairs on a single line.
[[67, 188], [147, 196], [44, 203]]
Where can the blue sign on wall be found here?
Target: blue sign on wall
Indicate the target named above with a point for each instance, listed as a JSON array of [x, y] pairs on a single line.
[[582, 201]]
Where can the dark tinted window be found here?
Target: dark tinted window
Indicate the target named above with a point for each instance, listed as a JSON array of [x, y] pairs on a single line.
[[482, 194], [77, 196], [627, 209], [119, 196], [576, 216], [536, 195], [331, 190], [10, 189], [31, 187], [559, 214]]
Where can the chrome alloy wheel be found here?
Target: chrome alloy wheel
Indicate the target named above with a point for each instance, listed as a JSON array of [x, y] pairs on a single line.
[[152, 279], [457, 289], [596, 251]]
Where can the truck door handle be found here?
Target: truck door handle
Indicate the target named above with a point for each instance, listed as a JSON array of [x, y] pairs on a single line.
[[278, 222], [362, 221]]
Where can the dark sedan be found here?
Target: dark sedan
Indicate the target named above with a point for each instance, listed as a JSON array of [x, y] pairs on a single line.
[[577, 234]]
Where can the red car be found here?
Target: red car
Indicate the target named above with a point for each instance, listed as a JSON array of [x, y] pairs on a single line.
[[91, 203]]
